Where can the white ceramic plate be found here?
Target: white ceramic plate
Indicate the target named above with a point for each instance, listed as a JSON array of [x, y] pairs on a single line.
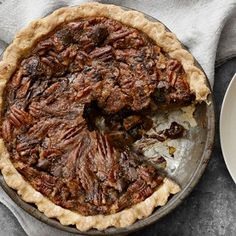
[[228, 128]]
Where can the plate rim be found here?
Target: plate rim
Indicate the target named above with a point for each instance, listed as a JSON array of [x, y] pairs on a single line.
[[221, 129]]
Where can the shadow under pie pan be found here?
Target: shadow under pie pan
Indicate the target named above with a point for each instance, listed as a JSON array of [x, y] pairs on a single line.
[[187, 174]]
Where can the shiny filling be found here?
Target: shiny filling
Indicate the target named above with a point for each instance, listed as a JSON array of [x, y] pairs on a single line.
[[78, 102]]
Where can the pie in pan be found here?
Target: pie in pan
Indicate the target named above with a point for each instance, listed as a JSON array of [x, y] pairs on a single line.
[[78, 88]]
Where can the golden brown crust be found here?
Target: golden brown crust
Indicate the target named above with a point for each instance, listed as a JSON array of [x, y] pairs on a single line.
[[20, 48]]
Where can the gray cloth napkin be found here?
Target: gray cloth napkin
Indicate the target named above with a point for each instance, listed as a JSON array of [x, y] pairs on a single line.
[[206, 27]]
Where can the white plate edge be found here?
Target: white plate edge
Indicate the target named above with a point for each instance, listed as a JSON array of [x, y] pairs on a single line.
[[231, 172]]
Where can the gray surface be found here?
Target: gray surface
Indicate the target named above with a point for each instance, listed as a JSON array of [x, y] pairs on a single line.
[[209, 210]]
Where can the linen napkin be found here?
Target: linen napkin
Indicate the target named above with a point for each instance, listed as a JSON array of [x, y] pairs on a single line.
[[206, 27]]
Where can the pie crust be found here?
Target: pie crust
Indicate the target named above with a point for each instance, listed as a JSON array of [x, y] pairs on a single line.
[[21, 47]]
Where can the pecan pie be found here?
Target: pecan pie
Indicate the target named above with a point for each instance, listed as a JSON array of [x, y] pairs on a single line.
[[79, 87]]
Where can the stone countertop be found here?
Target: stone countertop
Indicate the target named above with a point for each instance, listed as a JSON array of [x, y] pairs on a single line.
[[209, 210]]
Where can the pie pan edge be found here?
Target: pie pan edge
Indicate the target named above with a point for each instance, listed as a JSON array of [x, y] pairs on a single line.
[[175, 51]]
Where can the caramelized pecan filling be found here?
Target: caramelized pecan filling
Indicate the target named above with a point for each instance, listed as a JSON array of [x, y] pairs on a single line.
[[78, 102]]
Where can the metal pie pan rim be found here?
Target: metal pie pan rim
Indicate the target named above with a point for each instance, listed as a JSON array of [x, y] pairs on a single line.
[[160, 212]]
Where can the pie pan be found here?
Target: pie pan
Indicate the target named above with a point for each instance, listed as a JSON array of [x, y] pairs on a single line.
[[187, 174]]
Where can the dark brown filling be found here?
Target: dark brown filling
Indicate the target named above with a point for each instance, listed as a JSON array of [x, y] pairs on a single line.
[[78, 102]]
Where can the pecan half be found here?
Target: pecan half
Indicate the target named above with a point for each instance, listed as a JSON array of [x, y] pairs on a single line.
[[6, 130], [19, 117]]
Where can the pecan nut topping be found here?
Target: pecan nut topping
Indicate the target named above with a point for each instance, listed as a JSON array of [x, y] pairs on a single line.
[[78, 102]]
